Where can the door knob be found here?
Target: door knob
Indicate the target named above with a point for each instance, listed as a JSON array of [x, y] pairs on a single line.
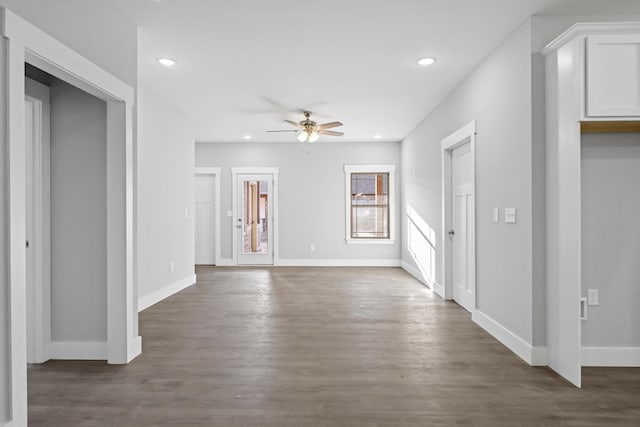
[[451, 233]]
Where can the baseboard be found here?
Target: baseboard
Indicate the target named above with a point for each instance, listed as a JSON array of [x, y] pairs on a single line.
[[164, 293], [135, 348], [611, 356], [416, 273], [225, 262], [534, 356], [78, 350], [539, 356], [438, 289], [341, 262]]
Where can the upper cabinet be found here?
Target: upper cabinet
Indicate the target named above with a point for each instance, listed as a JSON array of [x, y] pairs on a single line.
[[613, 75]]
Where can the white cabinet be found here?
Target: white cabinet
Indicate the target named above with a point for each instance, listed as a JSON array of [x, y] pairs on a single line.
[[613, 75]]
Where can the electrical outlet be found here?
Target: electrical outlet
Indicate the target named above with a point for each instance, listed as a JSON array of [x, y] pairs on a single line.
[[592, 297], [312, 247], [496, 214], [171, 266]]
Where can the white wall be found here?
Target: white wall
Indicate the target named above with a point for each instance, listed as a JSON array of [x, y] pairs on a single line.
[[4, 231], [611, 238], [165, 177], [78, 215], [498, 96], [311, 193]]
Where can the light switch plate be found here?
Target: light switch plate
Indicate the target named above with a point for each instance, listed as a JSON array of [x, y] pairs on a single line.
[[592, 297], [510, 215], [229, 213], [496, 214]]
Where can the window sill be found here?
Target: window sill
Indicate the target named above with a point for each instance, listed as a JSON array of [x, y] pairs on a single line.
[[370, 241]]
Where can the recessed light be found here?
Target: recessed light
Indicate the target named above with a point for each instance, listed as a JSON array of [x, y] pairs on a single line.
[[426, 61], [247, 137], [167, 62], [377, 136]]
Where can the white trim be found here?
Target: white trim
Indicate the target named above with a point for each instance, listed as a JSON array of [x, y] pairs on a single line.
[[415, 272], [226, 262], [391, 170], [371, 241], [438, 289], [611, 356], [235, 171], [57, 59], [534, 356], [464, 135], [588, 28], [78, 350], [215, 171], [539, 356], [27, 43], [165, 292], [459, 137], [339, 262]]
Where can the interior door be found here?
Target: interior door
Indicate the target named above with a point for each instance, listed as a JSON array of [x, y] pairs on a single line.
[[254, 219], [37, 224], [463, 227], [205, 248]]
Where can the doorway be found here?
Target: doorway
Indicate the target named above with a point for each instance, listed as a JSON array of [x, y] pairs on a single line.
[[24, 43], [206, 210], [255, 215], [458, 168]]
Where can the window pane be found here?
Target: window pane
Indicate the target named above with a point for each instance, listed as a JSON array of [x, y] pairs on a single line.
[[369, 222], [370, 205], [254, 229]]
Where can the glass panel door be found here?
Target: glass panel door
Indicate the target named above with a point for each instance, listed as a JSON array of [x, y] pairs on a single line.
[[255, 234]]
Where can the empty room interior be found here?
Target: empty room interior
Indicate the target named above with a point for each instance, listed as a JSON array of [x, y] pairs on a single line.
[[285, 213]]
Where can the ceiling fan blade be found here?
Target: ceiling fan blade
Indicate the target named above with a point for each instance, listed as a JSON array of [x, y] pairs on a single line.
[[289, 130], [330, 132], [292, 123], [329, 125]]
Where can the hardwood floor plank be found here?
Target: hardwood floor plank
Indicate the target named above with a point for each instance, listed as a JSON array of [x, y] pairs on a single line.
[[289, 346]]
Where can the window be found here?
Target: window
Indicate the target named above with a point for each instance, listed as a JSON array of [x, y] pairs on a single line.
[[369, 203]]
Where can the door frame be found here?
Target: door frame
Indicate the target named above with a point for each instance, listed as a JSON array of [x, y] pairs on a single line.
[[39, 290], [464, 135], [25, 43], [235, 171], [215, 172]]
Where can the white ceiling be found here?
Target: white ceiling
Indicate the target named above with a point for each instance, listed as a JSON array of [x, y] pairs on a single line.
[[246, 65]]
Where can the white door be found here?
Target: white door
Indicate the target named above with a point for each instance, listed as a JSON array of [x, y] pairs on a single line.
[[463, 231], [205, 219], [38, 234], [254, 219]]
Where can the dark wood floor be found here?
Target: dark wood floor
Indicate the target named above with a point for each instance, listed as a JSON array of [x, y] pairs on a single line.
[[320, 347]]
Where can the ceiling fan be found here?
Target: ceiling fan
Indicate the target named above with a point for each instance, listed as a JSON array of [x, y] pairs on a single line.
[[310, 130]]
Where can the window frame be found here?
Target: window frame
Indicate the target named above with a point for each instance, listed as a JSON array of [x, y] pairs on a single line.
[[371, 169]]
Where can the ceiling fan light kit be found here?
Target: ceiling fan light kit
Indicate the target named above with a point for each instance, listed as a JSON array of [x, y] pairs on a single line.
[[310, 131]]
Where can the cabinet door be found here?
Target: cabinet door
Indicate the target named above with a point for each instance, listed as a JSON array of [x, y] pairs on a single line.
[[613, 75]]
